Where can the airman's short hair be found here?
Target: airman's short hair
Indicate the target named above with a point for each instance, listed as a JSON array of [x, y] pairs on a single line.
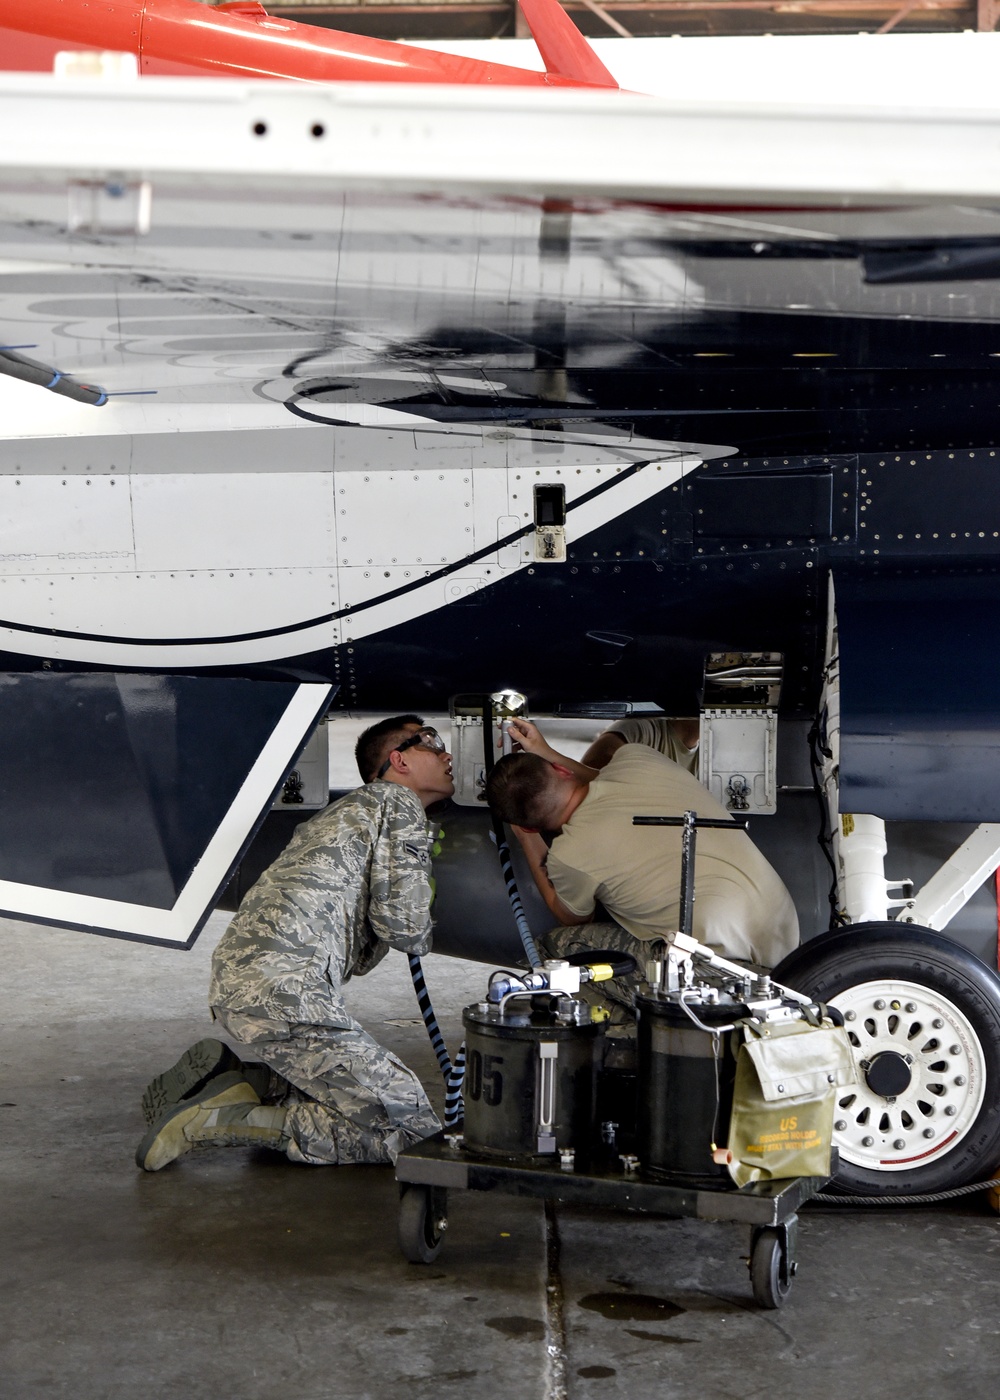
[[521, 789], [378, 741]]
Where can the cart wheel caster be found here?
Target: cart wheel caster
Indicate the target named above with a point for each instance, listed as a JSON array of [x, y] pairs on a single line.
[[771, 1270], [423, 1220]]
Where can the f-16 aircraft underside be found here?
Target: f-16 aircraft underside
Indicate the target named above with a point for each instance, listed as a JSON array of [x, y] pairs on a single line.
[[331, 400]]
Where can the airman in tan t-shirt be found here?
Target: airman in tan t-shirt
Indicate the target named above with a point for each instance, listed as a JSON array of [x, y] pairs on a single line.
[[742, 909]]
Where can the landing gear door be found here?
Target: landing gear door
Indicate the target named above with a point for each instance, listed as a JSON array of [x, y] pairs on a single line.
[[126, 800], [739, 731]]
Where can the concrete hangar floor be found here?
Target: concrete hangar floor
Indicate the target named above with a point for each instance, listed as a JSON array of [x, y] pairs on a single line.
[[235, 1273]]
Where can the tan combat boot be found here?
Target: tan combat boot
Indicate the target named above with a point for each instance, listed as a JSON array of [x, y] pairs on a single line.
[[197, 1067], [201, 1062], [226, 1113]]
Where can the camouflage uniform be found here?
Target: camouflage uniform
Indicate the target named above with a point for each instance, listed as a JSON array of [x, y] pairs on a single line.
[[352, 883]]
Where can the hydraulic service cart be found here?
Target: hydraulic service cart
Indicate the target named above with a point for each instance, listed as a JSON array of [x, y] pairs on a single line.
[[543, 1119]]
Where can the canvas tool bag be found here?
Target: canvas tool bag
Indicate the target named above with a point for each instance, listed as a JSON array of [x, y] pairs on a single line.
[[787, 1079]]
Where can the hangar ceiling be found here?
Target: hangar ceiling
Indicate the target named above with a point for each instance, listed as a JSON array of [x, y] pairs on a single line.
[[486, 19]]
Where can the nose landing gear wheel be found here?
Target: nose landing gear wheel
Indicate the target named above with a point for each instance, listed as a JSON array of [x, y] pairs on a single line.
[[423, 1219], [771, 1270], [923, 1017]]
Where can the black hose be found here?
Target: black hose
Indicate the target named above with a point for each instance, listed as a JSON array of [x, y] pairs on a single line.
[[503, 850], [892, 1201], [514, 895], [427, 1012], [454, 1108], [454, 1103], [454, 1074]]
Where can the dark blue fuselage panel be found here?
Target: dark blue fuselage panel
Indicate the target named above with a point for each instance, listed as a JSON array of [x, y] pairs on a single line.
[[126, 800], [920, 699]]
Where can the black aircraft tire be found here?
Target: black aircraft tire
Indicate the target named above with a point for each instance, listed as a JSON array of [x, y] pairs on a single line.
[[941, 1007]]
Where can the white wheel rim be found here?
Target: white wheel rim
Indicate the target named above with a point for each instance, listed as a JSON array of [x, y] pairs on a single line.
[[930, 1117]]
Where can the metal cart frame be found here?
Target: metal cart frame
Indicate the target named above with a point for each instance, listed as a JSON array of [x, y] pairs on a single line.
[[427, 1171]]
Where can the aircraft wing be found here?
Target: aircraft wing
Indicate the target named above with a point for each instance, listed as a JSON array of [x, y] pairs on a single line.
[[757, 151]]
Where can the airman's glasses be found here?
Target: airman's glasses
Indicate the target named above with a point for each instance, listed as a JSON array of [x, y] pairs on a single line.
[[427, 737]]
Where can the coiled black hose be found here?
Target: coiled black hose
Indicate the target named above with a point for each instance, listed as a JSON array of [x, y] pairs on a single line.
[[514, 895], [454, 1107], [454, 1074]]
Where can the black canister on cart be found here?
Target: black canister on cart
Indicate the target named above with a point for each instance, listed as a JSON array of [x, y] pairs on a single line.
[[685, 1086], [530, 1076]]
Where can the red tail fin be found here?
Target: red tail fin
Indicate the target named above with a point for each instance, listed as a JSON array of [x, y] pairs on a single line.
[[565, 52]]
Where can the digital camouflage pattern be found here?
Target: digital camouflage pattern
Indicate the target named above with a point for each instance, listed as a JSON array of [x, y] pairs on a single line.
[[346, 1099], [352, 883]]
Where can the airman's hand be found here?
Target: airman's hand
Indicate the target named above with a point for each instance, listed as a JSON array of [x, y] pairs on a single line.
[[527, 738]]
